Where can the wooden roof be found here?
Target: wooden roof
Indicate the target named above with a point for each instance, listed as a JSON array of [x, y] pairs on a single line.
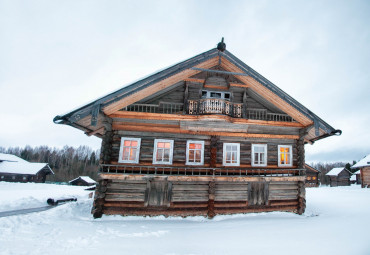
[[88, 117], [310, 168]]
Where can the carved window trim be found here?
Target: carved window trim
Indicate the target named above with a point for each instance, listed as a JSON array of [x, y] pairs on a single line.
[[225, 146], [155, 161], [290, 154], [121, 149], [201, 151], [254, 147]]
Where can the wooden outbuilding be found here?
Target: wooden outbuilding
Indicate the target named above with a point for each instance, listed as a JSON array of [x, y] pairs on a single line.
[[206, 136], [364, 166], [16, 169], [339, 176], [312, 176], [82, 181]]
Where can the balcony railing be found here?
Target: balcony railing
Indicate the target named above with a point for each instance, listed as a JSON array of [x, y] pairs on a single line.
[[195, 171], [215, 106], [162, 107], [210, 106]]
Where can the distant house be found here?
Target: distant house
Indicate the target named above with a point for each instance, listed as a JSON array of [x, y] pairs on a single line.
[[82, 181], [339, 177], [364, 165], [312, 174], [355, 178], [15, 169]]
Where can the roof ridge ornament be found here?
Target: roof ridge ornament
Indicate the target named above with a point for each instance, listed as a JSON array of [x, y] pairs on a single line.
[[221, 46]]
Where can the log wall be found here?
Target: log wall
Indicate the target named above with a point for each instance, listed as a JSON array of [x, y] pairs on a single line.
[[184, 196]]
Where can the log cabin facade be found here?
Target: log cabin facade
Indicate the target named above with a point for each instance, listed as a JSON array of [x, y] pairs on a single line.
[[206, 136], [364, 172], [312, 176], [339, 176]]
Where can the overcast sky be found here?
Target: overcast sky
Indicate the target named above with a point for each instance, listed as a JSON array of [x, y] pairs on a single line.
[[57, 55]]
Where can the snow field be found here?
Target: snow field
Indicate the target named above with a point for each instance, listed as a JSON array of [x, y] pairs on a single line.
[[336, 222]]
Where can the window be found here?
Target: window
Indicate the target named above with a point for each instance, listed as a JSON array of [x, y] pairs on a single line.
[[259, 154], [215, 94], [231, 154], [163, 150], [129, 150], [2, 177], [313, 177], [308, 178], [24, 178], [285, 155], [194, 152], [13, 177]]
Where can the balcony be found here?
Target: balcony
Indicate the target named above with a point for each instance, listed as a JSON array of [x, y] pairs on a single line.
[[210, 106]]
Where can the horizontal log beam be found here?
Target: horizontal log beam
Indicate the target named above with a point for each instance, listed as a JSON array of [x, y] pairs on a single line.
[[179, 117], [182, 131]]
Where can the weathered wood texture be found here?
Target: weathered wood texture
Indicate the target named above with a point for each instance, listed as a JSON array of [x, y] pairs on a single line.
[[365, 177], [161, 196], [342, 179], [213, 155]]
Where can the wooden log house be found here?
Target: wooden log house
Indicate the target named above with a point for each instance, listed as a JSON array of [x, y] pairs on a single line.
[[206, 136], [364, 166], [339, 176], [312, 176]]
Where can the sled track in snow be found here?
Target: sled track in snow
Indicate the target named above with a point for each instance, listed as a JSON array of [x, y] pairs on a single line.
[[25, 211]]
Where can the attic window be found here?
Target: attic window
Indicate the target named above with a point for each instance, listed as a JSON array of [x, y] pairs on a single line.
[[216, 94]]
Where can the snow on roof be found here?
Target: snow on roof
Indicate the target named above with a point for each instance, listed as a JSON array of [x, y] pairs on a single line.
[[85, 178], [335, 171], [357, 172], [11, 158], [363, 162], [22, 167], [353, 178]]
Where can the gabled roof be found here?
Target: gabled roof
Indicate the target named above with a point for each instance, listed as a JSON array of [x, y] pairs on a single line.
[[336, 171], [363, 162], [131, 93], [12, 164], [308, 167], [357, 172], [87, 179]]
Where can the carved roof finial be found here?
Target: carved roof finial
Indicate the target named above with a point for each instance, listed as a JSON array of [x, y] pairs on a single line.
[[221, 46]]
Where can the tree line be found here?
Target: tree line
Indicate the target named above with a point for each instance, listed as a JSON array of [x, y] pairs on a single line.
[[67, 163]]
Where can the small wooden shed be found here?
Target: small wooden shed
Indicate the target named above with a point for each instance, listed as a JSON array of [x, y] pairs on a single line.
[[82, 181], [355, 178], [312, 176], [364, 166], [339, 176], [16, 169]]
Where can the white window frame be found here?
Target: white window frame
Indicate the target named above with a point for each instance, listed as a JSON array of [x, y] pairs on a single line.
[[224, 155], [208, 95], [156, 141], [187, 153], [290, 155], [264, 146], [123, 139]]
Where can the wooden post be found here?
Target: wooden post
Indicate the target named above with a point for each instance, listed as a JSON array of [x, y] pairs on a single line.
[[211, 199], [105, 156], [300, 148], [244, 113], [186, 97], [213, 161], [301, 198]]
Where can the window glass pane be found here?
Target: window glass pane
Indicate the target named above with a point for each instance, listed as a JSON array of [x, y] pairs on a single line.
[[133, 154], [227, 95], [215, 95], [198, 156], [127, 143], [191, 155], [159, 155], [126, 152], [167, 145], [204, 94], [166, 156], [160, 145], [192, 145], [133, 143]]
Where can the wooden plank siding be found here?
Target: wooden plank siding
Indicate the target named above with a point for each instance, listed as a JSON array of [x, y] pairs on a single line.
[[132, 196], [365, 177]]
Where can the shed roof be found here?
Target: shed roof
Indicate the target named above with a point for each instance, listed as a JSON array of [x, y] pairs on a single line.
[[336, 171], [104, 104], [84, 178], [308, 167], [10, 158], [363, 162]]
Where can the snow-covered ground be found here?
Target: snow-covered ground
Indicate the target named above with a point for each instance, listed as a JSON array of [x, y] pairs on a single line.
[[337, 221]]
